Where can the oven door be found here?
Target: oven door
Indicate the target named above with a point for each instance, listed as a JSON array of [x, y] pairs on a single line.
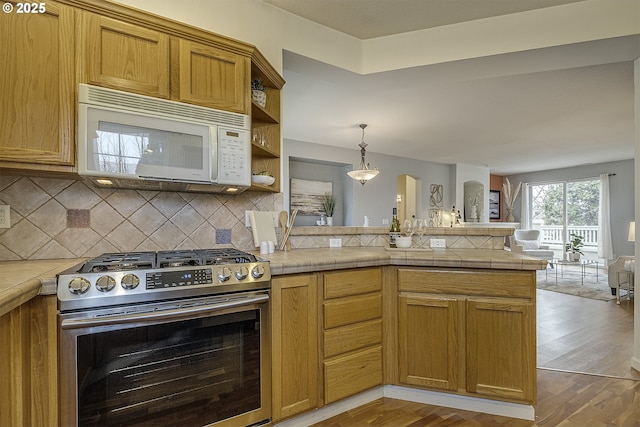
[[196, 362]]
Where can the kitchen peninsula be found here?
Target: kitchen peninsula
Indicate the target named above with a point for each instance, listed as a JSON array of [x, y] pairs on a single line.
[[351, 321]]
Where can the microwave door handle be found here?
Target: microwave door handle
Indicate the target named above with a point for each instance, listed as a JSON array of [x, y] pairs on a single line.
[[213, 159], [173, 314]]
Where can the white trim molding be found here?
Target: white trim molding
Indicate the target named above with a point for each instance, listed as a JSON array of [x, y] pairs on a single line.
[[448, 400]]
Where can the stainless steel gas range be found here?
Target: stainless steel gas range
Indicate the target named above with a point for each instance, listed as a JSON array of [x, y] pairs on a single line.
[[165, 338]]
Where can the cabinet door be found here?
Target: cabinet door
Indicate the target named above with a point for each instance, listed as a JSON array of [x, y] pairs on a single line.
[[213, 77], [29, 364], [125, 56], [37, 106], [428, 341], [295, 344], [501, 349]]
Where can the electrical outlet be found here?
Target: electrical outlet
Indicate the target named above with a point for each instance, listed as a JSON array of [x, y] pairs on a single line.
[[247, 220], [385, 221], [438, 243], [5, 219], [335, 243]]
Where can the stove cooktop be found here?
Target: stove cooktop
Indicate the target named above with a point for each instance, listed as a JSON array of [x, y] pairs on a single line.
[[165, 259], [135, 277]]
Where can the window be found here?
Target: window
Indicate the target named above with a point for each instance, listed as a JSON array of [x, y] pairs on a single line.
[[560, 209]]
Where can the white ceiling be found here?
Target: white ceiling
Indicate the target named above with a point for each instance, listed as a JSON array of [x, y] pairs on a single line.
[[515, 113]]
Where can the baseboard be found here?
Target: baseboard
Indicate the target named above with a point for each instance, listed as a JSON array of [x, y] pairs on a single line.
[[635, 363], [326, 412], [448, 400], [467, 403]]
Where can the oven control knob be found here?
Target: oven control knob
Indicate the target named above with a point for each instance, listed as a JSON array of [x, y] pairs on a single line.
[[105, 283], [242, 273], [79, 285], [257, 271], [224, 274], [130, 281]]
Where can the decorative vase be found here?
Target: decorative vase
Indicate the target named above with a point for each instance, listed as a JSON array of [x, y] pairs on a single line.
[[574, 256], [510, 217], [329, 220], [260, 97]]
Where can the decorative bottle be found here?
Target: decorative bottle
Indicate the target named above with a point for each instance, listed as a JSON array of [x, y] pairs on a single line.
[[394, 231]]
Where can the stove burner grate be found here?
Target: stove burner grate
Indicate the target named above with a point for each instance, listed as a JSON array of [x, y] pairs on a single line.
[[120, 261], [165, 259]]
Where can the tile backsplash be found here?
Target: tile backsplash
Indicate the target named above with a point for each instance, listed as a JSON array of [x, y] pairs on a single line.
[[60, 218]]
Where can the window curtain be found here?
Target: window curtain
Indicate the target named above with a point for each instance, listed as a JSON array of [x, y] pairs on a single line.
[[605, 249], [525, 212]]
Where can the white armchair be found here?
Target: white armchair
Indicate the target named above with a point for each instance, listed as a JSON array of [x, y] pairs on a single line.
[[527, 242], [620, 264]]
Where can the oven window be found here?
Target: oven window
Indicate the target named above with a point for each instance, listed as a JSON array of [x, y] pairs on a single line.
[[192, 372]]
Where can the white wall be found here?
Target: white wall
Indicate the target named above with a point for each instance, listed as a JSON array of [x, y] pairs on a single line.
[[635, 359], [272, 30]]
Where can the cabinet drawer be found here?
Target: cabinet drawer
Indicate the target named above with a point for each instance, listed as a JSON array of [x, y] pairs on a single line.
[[352, 374], [352, 282], [352, 337], [345, 311], [502, 283]]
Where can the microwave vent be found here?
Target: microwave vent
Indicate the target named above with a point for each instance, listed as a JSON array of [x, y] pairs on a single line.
[[145, 104]]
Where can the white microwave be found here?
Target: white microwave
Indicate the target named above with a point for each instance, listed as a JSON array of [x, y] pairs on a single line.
[[133, 141]]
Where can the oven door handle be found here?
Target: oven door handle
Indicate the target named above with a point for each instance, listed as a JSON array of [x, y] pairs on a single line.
[[172, 314]]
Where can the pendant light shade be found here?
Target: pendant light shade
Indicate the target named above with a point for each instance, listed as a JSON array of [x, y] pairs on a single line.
[[364, 172]]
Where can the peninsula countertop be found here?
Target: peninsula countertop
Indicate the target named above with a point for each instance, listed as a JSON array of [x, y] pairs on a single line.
[[21, 281], [322, 259]]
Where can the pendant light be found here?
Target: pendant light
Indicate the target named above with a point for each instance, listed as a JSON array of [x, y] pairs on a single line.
[[364, 172]]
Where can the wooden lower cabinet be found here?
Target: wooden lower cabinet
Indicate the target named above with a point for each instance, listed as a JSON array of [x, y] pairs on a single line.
[[351, 332], [28, 364], [501, 349], [480, 343], [352, 373], [428, 341], [294, 344]]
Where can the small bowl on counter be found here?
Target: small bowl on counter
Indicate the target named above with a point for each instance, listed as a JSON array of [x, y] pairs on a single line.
[[262, 179], [404, 242]]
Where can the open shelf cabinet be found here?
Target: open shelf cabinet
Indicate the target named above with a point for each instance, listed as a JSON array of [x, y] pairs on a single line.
[[266, 137]]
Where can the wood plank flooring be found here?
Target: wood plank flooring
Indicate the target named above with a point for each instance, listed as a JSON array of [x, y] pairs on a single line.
[[585, 335], [594, 342]]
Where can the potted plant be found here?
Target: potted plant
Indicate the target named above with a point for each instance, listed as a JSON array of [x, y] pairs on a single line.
[[574, 247], [329, 204]]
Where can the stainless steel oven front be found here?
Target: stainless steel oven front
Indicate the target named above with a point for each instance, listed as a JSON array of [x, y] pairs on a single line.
[[190, 362]]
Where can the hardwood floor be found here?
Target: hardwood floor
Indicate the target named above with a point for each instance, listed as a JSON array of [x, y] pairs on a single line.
[[593, 340], [585, 335]]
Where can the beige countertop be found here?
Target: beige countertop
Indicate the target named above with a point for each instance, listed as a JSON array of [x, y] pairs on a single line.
[[20, 281], [307, 260], [431, 231]]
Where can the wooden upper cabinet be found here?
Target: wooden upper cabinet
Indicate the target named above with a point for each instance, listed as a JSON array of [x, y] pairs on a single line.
[[124, 56], [37, 101], [213, 77]]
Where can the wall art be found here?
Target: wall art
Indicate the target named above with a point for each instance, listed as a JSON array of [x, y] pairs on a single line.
[[306, 196]]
